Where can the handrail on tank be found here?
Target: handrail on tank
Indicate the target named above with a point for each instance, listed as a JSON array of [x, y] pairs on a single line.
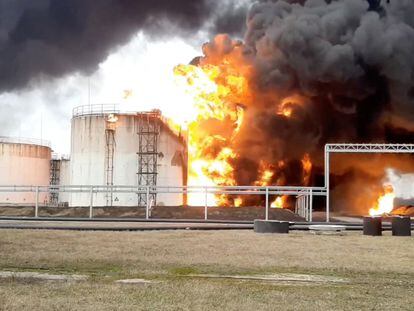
[[25, 141], [105, 109], [60, 156], [97, 109]]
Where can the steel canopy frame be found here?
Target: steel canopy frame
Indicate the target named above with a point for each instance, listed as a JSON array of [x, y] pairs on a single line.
[[359, 148]]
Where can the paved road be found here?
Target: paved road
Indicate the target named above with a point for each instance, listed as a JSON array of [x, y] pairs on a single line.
[[154, 224]]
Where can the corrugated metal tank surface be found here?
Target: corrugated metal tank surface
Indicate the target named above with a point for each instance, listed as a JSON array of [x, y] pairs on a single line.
[[23, 164], [89, 159]]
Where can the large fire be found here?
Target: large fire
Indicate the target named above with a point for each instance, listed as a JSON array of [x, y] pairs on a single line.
[[220, 95], [385, 202], [212, 123]]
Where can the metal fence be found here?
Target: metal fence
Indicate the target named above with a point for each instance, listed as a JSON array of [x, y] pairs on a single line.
[[304, 195]]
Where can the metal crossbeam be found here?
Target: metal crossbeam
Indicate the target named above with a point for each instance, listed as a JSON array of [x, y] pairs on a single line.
[[370, 148]]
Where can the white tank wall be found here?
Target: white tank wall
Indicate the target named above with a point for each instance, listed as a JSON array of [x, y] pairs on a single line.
[[171, 164], [24, 165], [87, 164]]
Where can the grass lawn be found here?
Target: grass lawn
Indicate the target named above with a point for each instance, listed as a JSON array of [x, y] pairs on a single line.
[[379, 271]]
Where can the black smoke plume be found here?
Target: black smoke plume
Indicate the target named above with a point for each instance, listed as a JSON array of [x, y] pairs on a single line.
[[50, 38], [349, 69]]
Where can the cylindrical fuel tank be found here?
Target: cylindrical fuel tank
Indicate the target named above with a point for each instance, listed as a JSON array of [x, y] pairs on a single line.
[[113, 148], [24, 162]]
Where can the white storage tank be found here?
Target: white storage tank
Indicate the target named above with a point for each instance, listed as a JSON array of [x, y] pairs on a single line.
[[24, 162], [125, 149]]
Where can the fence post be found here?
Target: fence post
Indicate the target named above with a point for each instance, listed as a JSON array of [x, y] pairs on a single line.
[[205, 204], [311, 205], [267, 204], [148, 204], [301, 206], [307, 207], [304, 207], [91, 203], [296, 205], [37, 202], [327, 181]]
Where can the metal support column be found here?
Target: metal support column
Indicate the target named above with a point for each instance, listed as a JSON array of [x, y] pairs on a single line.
[[267, 204], [307, 207], [205, 204], [55, 166], [109, 161], [147, 206], [37, 202], [310, 205], [91, 203], [327, 164], [148, 132]]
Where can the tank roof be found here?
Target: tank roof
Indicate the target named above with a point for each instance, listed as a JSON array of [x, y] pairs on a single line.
[[108, 109], [25, 141]]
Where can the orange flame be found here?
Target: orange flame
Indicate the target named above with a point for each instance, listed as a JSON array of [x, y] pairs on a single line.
[[266, 175], [307, 169], [238, 202], [127, 94], [278, 202], [215, 112], [215, 92], [385, 202]]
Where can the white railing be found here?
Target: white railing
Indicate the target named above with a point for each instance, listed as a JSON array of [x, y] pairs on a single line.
[[105, 109], [304, 195], [370, 148], [25, 140], [60, 156], [99, 109]]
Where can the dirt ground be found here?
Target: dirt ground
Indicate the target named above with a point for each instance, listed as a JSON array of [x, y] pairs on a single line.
[[166, 212], [378, 271]]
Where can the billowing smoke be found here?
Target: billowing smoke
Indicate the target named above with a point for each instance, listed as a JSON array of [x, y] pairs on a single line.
[[345, 71], [50, 38]]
